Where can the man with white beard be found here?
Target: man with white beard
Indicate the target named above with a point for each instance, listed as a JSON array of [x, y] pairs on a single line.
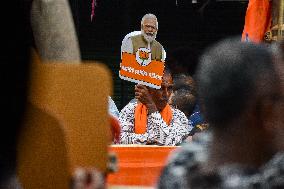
[[145, 39]]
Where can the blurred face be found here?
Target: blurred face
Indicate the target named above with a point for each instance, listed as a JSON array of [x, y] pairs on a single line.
[[161, 96], [149, 29]]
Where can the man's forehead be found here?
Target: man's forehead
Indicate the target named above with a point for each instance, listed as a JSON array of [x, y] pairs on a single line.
[[150, 21]]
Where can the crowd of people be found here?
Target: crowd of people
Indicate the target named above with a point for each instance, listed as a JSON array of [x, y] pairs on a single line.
[[237, 94]]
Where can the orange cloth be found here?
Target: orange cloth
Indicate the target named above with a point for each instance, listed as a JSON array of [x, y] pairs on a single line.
[[139, 165], [140, 117], [257, 20]]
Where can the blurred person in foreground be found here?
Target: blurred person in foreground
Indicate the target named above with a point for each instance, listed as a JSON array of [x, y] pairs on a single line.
[[239, 93]]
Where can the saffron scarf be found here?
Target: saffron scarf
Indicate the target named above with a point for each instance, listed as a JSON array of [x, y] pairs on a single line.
[[140, 117]]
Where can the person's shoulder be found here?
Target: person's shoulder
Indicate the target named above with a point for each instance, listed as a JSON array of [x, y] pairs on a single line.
[[132, 34], [128, 36], [276, 161], [110, 101], [186, 160], [273, 172], [184, 166], [238, 176], [177, 112], [192, 152], [128, 111], [112, 108], [270, 175]]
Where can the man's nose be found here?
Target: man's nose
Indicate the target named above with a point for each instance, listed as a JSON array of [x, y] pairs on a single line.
[[150, 29]]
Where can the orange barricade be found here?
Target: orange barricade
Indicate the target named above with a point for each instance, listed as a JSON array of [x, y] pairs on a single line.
[[138, 165]]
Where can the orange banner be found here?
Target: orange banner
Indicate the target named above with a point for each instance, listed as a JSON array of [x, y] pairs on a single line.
[[257, 20], [138, 165], [149, 75]]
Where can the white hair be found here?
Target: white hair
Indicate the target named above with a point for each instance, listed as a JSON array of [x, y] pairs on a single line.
[[150, 16], [148, 38]]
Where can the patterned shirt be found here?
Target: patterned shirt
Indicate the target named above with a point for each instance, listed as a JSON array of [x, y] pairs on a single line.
[[184, 171], [157, 129]]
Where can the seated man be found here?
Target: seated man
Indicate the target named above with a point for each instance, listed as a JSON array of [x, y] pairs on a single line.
[[151, 120]]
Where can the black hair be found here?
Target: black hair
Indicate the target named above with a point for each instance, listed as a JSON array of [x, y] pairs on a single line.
[[184, 93], [185, 58], [184, 81], [229, 77], [184, 100]]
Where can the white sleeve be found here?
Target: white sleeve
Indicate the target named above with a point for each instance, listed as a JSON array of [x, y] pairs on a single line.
[[127, 45], [112, 109]]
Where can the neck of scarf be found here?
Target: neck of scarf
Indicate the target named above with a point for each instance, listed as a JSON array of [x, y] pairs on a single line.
[[140, 117]]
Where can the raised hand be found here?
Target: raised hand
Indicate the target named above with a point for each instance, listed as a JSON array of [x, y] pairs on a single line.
[[142, 94]]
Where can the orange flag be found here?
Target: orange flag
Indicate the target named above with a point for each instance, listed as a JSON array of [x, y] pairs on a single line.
[[257, 20]]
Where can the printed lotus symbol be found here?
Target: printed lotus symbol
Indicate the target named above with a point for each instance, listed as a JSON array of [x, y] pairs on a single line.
[[143, 56]]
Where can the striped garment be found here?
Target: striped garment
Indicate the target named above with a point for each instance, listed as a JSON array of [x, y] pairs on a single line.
[[158, 132]]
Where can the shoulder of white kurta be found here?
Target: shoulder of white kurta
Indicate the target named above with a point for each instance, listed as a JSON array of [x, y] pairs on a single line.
[[178, 113], [130, 106]]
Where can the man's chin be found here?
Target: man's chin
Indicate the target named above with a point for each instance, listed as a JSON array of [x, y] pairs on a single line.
[[148, 38]]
